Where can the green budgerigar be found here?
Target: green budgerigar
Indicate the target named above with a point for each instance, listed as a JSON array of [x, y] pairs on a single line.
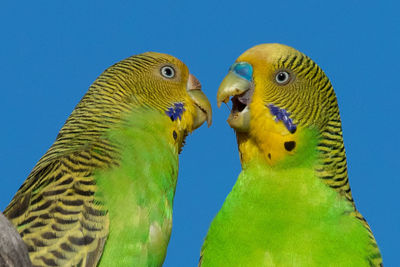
[[291, 204], [102, 195]]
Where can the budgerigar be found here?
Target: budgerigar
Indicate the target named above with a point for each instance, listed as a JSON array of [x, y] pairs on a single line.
[[102, 195], [291, 204]]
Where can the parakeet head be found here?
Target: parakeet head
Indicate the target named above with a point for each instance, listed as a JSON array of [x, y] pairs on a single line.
[[140, 85], [158, 81], [279, 95]]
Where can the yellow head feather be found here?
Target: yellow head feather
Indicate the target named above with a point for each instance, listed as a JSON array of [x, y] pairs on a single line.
[[304, 95]]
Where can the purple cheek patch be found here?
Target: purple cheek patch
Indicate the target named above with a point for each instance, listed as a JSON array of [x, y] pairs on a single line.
[[176, 111], [283, 115]]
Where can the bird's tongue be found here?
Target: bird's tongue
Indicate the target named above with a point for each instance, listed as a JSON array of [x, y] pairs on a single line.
[[239, 102]]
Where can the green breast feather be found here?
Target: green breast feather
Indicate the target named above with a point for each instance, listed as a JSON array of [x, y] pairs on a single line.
[[277, 216], [139, 192]]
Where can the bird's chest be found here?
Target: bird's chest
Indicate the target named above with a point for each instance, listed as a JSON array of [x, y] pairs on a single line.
[[308, 225], [159, 231], [139, 204], [139, 232]]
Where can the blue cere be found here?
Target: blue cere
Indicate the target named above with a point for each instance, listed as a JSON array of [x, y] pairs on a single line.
[[176, 111], [283, 115], [243, 70]]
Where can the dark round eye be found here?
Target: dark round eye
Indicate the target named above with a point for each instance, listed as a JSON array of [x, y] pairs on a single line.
[[168, 72], [282, 77]]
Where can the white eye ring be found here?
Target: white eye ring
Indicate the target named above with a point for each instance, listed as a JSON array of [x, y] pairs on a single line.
[[282, 77], [167, 72]]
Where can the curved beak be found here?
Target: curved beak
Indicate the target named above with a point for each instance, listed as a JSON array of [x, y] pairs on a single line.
[[203, 106], [241, 91]]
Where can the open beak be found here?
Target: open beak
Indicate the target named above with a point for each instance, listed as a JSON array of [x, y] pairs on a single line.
[[241, 90], [203, 106]]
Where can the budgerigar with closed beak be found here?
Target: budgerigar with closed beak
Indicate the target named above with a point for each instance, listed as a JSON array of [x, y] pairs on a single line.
[[103, 193]]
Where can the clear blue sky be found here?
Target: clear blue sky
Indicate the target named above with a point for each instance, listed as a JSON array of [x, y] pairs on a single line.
[[51, 51]]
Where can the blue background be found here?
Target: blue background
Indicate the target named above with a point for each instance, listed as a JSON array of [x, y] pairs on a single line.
[[51, 51]]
